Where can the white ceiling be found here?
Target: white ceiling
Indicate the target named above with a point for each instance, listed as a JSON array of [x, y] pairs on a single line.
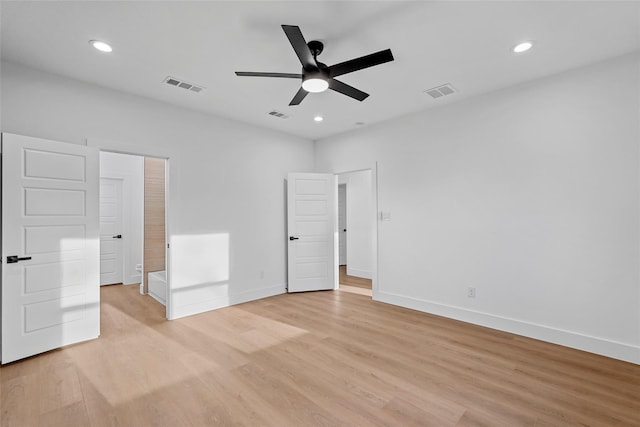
[[467, 44]]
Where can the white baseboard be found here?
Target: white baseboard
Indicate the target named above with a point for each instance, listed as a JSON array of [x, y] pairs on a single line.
[[604, 347], [133, 279], [256, 294], [157, 298], [226, 301], [365, 274]]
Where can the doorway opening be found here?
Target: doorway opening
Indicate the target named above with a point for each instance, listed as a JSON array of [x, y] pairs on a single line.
[[133, 217], [356, 231]]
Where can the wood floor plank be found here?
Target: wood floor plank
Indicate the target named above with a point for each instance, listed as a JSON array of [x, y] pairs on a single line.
[[298, 409], [354, 281], [317, 358], [76, 413]]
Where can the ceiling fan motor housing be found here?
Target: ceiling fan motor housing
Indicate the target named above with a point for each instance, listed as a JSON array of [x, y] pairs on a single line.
[[316, 47], [320, 72]]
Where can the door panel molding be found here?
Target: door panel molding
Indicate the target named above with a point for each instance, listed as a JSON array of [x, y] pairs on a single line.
[[50, 298], [111, 224], [312, 211]]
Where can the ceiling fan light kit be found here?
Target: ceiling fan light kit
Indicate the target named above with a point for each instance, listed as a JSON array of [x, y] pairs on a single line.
[[315, 82], [316, 76]]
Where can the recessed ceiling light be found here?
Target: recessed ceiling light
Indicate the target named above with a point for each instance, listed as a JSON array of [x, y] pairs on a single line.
[[523, 47], [101, 46], [318, 118]]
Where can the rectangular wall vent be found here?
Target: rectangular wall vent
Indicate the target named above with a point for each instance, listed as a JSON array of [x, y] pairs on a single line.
[[278, 114], [182, 84], [440, 91]]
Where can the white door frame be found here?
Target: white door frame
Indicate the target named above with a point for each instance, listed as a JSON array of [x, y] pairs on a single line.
[[342, 251], [376, 220], [160, 153]]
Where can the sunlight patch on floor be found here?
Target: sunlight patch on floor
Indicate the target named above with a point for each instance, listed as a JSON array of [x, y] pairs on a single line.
[[144, 361], [245, 336]]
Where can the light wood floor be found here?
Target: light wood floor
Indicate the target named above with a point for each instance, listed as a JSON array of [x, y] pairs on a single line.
[[317, 358], [359, 282], [353, 284]]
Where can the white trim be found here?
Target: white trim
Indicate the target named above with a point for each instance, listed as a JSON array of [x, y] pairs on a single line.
[[604, 347], [336, 237], [135, 280], [358, 273], [227, 301], [171, 157], [376, 222], [374, 212], [156, 297], [167, 235], [256, 294]]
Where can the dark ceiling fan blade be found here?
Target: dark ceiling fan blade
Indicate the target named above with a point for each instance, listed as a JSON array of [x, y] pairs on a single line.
[[360, 63], [284, 75], [300, 46], [345, 89], [299, 96]]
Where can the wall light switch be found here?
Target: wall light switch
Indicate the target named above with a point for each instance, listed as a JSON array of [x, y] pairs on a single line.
[[385, 215]]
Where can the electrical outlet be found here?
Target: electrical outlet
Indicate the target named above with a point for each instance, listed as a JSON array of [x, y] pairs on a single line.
[[471, 292]]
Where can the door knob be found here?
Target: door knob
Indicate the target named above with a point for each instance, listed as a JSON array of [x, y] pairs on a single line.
[[293, 238], [119, 236], [11, 259]]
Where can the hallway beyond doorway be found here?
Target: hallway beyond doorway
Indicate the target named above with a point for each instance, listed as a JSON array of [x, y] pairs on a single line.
[[353, 284]]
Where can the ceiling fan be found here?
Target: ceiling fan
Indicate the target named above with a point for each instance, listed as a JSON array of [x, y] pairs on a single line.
[[318, 77]]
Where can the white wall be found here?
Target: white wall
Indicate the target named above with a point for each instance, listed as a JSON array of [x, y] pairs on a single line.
[[131, 170], [359, 223], [529, 194], [226, 179]]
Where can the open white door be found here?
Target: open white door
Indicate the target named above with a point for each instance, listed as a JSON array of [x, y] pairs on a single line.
[[50, 245], [312, 212], [342, 224], [110, 231]]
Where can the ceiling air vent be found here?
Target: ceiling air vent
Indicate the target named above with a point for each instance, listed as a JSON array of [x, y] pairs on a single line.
[[278, 114], [182, 84], [440, 91]]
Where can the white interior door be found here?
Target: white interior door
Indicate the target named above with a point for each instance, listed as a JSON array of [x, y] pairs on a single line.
[[111, 231], [312, 226], [50, 245], [342, 223]]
